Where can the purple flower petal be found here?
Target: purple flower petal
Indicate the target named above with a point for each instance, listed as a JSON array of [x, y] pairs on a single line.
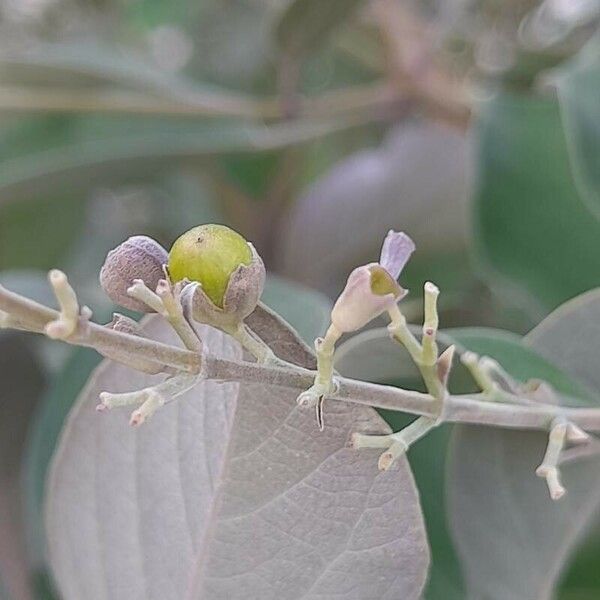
[[395, 252]]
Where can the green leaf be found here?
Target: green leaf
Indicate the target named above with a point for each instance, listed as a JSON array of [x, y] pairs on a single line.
[[31, 235], [512, 538], [570, 338], [527, 206], [306, 24], [104, 151], [578, 88], [252, 173], [306, 310]]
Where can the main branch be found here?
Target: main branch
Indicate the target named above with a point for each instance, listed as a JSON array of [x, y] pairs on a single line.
[[21, 313]]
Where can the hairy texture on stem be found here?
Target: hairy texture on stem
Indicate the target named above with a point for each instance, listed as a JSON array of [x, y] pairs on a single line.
[[471, 408]]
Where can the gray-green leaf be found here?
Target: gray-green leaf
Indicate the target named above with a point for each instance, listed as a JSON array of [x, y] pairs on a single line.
[[230, 492], [527, 202], [578, 87], [512, 538]]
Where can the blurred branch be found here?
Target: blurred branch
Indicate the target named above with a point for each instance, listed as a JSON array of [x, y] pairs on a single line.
[[288, 77], [46, 99], [370, 100], [413, 69]]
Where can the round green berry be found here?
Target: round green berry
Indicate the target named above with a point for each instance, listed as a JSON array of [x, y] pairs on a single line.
[[209, 254]]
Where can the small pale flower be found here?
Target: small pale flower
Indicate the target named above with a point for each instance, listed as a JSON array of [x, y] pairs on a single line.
[[372, 289]]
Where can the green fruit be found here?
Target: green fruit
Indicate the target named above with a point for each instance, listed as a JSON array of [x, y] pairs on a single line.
[[209, 254]]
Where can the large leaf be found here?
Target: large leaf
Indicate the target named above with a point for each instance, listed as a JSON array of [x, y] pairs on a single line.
[[230, 492], [512, 538], [285, 297], [526, 205], [416, 182], [578, 93], [373, 356], [45, 428]]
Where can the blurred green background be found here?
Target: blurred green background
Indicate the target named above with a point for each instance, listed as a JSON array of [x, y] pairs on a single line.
[[312, 127]]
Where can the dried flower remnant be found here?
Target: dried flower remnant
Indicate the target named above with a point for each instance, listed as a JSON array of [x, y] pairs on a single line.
[[139, 257]]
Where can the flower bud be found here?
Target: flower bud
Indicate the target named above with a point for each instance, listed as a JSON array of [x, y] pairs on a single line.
[[226, 273], [139, 257]]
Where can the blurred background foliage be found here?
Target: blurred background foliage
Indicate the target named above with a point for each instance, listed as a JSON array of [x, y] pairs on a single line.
[[312, 127]]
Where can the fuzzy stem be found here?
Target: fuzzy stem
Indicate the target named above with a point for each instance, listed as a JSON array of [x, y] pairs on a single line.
[[549, 468], [36, 316], [174, 315], [325, 348], [323, 383], [425, 356], [482, 378], [250, 342], [470, 408], [480, 369], [68, 318]]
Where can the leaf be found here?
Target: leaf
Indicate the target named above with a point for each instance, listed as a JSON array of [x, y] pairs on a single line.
[[416, 182], [526, 203], [282, 295], [569, 338], [22, 383], [305, 24], [105, 151], [228, 499], [574, 324], [274, 331], [512, 538], [578, 94], [45, 429], [307, 310], [373, 356]]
